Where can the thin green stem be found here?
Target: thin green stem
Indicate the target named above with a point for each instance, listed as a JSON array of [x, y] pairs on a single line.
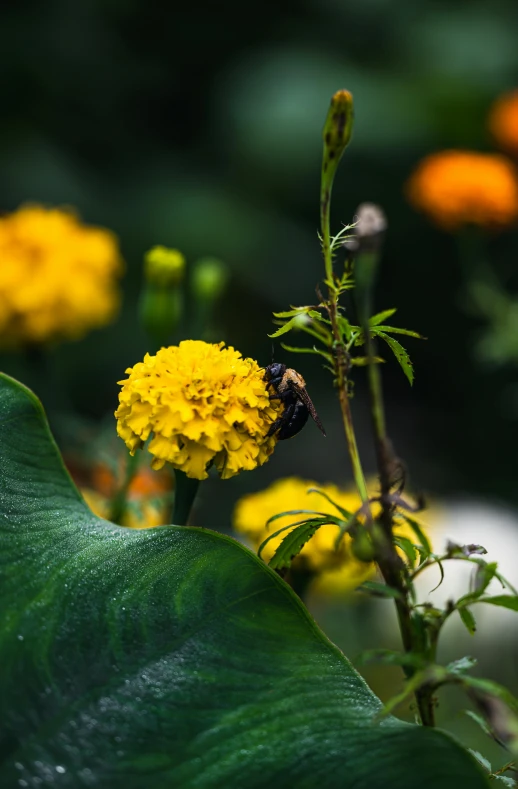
[[184, 494], [340, 355], [120, 500], [389, 561]]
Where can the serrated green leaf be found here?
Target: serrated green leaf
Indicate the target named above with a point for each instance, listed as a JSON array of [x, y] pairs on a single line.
[[290, 526], [316, 351], [461, 665], [378, 589], [479, 720], [504, 601], [343, 512], [286, 327], [381, 316], [401, 355], [363, 361], [345, 328], [170, 657], [418, 531], [504, 780], [486, 764], [485, 573], [295, 512], [468, 620], [407, 547], [293, 543], [397, 330], [296, 311]]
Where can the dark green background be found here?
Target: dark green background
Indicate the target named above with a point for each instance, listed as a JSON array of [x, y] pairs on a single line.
[[199, 125]]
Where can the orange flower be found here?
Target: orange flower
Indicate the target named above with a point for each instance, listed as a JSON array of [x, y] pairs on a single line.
[[503, 121], [456, 188]]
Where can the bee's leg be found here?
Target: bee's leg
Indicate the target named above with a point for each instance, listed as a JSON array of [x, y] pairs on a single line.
[[275, 426]]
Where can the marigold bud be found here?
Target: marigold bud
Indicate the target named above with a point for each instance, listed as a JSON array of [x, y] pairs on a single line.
[[338, 126], [161, 301], [209, 279], [163, 266], [362, 547]]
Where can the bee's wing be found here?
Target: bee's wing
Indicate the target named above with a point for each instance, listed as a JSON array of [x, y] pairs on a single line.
[[301, 392]]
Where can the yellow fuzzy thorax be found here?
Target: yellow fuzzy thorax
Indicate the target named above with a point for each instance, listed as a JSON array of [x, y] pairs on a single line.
[[200, 404]]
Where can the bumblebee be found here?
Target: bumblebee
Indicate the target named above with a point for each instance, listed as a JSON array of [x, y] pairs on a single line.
[[289, 387]]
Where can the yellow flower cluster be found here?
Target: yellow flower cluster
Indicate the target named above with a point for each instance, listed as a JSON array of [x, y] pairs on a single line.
[[202, 404], [503, 121], [58, 277], [456, 188], [336, 571]]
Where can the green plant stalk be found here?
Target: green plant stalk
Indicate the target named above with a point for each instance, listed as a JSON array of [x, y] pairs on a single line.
[[389, 561], [184, 494], [120, 500], [340, 355], [336, 134]]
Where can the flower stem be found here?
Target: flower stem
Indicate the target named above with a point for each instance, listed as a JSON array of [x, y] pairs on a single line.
[[389, 562], [340, 354], [119, 501], [184, 495]]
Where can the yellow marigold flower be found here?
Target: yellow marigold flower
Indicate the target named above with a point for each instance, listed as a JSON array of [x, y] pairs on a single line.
[[336, 571], [503, 121], [461, 187], [201, 404], [57, 276]]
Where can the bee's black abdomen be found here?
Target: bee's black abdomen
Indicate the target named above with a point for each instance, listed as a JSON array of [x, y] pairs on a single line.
[[295, 421]]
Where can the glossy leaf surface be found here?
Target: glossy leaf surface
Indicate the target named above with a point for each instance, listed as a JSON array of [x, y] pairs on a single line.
[[171, 657]]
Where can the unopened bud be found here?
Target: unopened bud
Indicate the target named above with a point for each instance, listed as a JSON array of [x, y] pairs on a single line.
[[362, 546], [209, 279], [161, 300], [338, 127], [164, 267]]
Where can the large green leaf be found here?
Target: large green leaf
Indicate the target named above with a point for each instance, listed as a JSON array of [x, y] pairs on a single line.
[[171, 657]]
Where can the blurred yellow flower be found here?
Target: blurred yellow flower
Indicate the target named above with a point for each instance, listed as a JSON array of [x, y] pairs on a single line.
[[456, 188], [503, 121], [58, 277], [202, 404], [336, 571]]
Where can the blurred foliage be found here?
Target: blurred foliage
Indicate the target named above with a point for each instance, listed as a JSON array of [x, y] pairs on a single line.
[[200, 130]]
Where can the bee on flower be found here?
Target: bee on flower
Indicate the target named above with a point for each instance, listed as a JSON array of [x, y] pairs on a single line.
[[198, 404], [457, 188], [58, 277]]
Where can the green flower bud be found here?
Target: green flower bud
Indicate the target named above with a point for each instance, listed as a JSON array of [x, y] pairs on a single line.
[[338, 127], [209, 279], [362, 546], [164, 267], [161, 300]]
